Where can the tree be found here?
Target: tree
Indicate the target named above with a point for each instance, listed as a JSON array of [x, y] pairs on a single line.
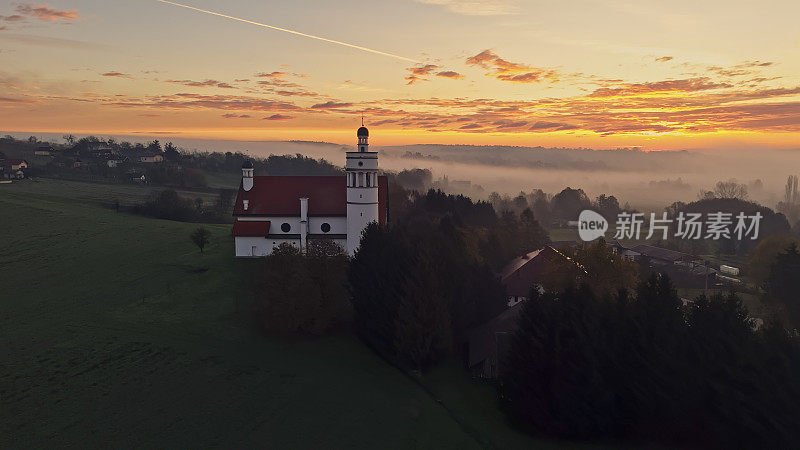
[[377, 278], [567, 204], [171, 152], [327, 262], [201, 237], [553, 383], [288, 300], [422, 330], [154, 146], [730, 189], [648, 368], [764, 256], [603, 270], [783, 284], [608, 206]]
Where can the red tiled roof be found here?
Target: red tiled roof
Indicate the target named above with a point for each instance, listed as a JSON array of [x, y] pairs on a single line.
[[528, 270], [14, 161], [251, 229], [279, 196]]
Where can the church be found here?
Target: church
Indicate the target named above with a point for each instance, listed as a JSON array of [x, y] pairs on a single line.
[[272, 210]]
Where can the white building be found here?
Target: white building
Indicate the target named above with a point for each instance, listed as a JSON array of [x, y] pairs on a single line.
[[271, 210]]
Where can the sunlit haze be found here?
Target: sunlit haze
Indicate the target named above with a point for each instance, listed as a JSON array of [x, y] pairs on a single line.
[[654, 75]]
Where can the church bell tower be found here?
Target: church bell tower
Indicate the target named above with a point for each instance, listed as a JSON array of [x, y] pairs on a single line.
[[362, 189]]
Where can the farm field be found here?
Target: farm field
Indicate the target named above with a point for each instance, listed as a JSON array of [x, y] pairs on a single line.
[[116, 331]]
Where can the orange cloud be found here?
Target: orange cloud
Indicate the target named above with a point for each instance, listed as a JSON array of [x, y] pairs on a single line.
[[450, 74], [236, 116], [278, 117], [685, 85], [509, 71], [551, 126], [197, 101], [331, 105], [273, 75], [206, 83], [116, 75], [418, 73], [45, 13]]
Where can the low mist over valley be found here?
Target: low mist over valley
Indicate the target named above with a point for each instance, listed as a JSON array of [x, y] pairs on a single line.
[[647, 180]]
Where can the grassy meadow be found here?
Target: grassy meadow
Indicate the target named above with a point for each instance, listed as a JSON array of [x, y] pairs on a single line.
[[115, 331]]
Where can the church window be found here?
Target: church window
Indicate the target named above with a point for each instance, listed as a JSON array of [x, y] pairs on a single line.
[[285, 227], [360, 163], [326, 227]]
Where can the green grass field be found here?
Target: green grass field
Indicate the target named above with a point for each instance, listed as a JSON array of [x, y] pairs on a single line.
[[116, 332]]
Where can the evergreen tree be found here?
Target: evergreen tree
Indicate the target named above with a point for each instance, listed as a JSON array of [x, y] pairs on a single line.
[[783, 284], [423, 334]]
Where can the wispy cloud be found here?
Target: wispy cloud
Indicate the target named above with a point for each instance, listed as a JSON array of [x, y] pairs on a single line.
[[477, 7], [236, 116], [331, 105], [202, 84], [45, 13], [419, 72], [666, 86], [44, 41], [505, 70], [26, 12], [278, 117], [114, 74]]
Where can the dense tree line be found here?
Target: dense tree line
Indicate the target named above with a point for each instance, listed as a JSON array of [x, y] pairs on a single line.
[[595, 265], [771, 224], [488, 238], [559, 208], [303, 293], [416, 293], [782, 284], [180, 167], [168, 204], [643, 366]]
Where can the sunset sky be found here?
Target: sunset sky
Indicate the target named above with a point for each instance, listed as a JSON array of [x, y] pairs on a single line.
[[591, 73]]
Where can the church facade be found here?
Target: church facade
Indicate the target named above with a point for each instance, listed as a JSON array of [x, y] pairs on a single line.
[[272, 210]]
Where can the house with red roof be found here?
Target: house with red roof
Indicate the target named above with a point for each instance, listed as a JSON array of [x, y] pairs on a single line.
[[13, 168], [272, 210]]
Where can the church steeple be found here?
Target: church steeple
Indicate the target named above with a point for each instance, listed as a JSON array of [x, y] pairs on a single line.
[[362, 189], [363, 137]]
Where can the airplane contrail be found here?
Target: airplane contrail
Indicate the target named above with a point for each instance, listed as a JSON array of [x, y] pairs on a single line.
[[358, 47]]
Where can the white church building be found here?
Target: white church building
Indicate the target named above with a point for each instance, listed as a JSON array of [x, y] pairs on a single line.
[[272, 210]]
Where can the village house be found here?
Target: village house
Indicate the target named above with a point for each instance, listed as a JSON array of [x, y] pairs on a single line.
[[488, 342], [150, 158], [44, 151], [272, 210], [15, 163], [13, 168], [529, 271]]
